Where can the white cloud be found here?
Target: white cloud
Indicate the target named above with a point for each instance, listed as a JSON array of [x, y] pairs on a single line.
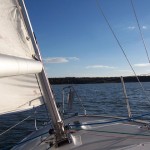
[[73, 58], [55, 60], [144, 27], [125, 70], [131, 27], [142, 65], [50, 60], [99, 66]]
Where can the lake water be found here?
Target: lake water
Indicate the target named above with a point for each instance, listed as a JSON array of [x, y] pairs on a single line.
[[96, 98]]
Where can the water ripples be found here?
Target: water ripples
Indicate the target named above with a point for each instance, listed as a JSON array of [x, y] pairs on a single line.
[[96, 98]]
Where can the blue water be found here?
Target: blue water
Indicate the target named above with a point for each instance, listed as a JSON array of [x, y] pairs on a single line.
[[96, 98]]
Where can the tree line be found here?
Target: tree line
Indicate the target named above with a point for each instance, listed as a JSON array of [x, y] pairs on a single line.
[[93, 80]]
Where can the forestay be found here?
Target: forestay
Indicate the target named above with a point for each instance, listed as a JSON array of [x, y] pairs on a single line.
[[19, 88]]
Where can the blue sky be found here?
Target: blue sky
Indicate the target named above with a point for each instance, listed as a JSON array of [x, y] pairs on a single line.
[[75, 40]]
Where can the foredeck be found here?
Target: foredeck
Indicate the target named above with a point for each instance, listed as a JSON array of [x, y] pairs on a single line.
[[95, 135]]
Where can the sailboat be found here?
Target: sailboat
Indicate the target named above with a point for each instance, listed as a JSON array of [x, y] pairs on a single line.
[[24, 86]]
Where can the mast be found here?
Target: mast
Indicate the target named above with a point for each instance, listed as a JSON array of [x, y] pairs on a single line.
[[47, 92]]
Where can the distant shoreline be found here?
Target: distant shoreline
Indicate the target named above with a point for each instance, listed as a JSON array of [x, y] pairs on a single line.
[[93, 80]]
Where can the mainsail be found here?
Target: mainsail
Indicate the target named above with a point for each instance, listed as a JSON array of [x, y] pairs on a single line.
[[23, 82], [19, 86]]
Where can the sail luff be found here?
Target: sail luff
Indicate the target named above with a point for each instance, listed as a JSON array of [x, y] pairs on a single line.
[[45, 86]]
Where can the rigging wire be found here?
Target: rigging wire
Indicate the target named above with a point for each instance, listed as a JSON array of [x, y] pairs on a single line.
[[119, 44], [79, 98], [96, 123], [110, 132], [15, 125], [145, 47], [111, 121], [18, 123]]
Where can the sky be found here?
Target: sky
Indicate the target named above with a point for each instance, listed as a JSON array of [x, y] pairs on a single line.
[[75, 40]]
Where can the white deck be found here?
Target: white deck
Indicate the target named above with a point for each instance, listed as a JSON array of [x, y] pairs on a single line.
[[118, 135]]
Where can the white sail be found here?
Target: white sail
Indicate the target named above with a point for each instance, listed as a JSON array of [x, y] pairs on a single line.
[[14, 38], [19, 93], [19, 87], [23, 83]]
